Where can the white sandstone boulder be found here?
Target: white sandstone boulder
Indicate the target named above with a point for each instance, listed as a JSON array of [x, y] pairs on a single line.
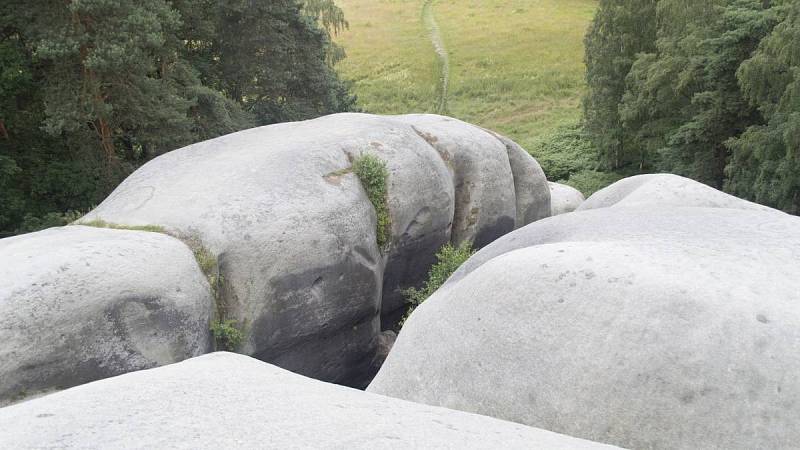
[[294, 233], [80, 303], [564, 199], [223, 400], [664, 190], [645, 327]]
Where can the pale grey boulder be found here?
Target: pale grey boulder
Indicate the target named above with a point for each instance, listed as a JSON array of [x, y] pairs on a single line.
[[78, 304], [485, 196], [564, 199], [482, 186], [421, 204], [530, 184], [664, 190], [294, 232], [655, 222], [640, 327], [223, 400]]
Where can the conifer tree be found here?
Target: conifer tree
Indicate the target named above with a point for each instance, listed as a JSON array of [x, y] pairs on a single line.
[[620, 30], [712, 94], [90, 89], [766, 158]]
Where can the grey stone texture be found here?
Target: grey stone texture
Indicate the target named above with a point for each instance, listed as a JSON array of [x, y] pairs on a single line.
[[647, 326], [79, 303], [224, 400]]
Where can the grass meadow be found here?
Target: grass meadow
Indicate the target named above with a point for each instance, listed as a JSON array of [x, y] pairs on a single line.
[[516, 66]]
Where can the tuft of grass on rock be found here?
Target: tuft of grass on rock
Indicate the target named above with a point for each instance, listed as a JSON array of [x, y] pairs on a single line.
[[205, 259], [227, 333], [99, 223], [448, 260], [372, 173]]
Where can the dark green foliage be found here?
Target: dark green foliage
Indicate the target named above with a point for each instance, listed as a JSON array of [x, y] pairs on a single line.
[[270, 57], [712, 98], [327, 13], [683, 102], [332, 19], [620, 30], [766, 158], [591, 181], [374, 178], [564, 151], [52, 219], [448, 260], [568, 156], [227, 336], [90, 90]]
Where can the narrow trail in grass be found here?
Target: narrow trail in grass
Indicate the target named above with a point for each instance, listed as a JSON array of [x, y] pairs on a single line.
[[441, 55]]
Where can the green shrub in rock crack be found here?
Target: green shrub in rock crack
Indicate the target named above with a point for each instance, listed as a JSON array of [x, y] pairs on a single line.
[[227, 336], [448, 260], [372, 173]]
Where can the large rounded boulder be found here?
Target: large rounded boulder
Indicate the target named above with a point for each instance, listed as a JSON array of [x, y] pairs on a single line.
[[664, 189], [648, 327], [293, 231], [78, 304], [223, 400], [493, 186], [564, 199]]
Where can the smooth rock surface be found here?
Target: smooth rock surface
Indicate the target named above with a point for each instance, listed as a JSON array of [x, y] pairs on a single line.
[[422, 203], [564, 199], [294, 231], [78, 304], [664, 189], [485, 202], [530, 184], [223, 400], [641, 327]]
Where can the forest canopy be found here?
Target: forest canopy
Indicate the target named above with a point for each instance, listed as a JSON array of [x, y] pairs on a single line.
[[92, 89], [705, 89]]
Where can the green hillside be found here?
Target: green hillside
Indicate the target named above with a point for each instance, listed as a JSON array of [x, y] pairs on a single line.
[[515, 66]]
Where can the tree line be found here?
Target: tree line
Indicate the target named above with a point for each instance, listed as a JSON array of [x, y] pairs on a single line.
[[706, 89], [92, 89]]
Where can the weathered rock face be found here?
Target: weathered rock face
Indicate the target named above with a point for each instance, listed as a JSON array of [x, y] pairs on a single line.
[[78, 304], [294, 232], [226, 400], [492, 187], [642, 327], [664, 190], [564, 199], [530, 184], [498, 186]]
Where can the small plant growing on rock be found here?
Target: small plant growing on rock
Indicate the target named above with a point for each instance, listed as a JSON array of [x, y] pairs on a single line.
[[372, 173], [448, 260], [227, 336]]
